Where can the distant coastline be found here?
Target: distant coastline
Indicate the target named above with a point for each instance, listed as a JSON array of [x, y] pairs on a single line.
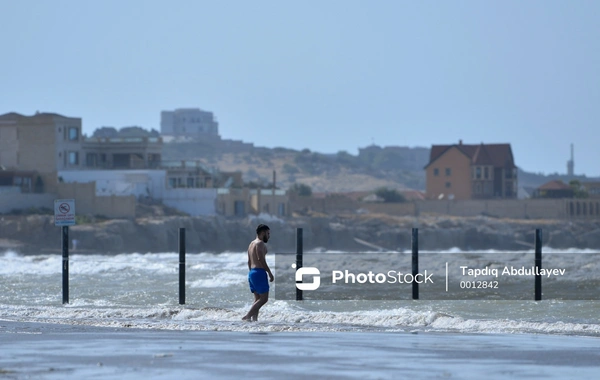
[[33, 234]]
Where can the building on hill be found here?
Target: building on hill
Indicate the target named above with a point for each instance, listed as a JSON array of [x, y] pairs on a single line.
[[462, 171], [199, 128], [189, 122]]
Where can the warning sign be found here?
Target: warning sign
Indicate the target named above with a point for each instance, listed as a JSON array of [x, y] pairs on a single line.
[[64, 212]]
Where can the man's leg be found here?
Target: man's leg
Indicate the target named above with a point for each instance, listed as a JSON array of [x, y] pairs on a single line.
[[253, 313], [248, 317], [255, 316]]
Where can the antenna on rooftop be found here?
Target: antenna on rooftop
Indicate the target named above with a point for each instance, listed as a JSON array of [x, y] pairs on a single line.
[[571, 163]]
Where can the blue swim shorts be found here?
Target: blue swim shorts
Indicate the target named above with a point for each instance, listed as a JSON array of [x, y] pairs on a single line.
[[258, 280]]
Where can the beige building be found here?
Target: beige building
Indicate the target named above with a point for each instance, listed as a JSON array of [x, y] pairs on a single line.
[[268, 201], [241, 202], [44, 142], [461, 172], [233, 202]]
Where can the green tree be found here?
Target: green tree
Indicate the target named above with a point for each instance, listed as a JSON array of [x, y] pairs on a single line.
[[301, 190], [390, 195], [578, 190]]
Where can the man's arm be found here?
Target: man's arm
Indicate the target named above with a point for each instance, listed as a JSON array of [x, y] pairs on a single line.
[[250, 249], [262, 252]]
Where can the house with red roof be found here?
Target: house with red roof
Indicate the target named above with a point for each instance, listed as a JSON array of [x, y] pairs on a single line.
[[464, 171]]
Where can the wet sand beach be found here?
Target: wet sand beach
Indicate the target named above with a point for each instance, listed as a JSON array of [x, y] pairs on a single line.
[[54, 351]]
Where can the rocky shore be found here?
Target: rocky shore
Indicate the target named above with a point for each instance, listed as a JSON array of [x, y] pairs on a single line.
[[33, 234]]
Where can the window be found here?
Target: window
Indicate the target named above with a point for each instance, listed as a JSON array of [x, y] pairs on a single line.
[[91, 159], [73, 158], [448, 185], [73, 134], [448, 172], [436, 172], [486, 173], [26, 184], [190, 183], [239, 208], [488, 188], [172, 183], [478, 172]]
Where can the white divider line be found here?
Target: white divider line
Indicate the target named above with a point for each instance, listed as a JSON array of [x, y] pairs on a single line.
[[446, 276]]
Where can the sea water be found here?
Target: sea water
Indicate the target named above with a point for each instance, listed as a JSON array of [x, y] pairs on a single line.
[[141, 290]]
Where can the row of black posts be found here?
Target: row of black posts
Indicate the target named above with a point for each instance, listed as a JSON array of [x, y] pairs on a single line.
[[415, 262], [299, 254]]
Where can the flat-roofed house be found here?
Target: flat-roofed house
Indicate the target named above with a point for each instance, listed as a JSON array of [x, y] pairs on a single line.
[[44, 143], [554, 189]]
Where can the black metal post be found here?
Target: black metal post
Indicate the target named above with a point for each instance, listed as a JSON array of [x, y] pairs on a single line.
[[299, 249], [538, 264], [182, 266], [415, 262], [65, 263]]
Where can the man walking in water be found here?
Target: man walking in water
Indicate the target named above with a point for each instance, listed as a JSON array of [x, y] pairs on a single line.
[[258, 270]]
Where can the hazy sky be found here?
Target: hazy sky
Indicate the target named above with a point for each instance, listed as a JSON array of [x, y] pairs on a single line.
[[325, 75]]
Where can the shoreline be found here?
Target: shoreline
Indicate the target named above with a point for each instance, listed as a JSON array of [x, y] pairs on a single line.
[[83, 351]]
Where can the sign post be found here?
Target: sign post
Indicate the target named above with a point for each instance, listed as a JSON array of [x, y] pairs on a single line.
[[64, 216]]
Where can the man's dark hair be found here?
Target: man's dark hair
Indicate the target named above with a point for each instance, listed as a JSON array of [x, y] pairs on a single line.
[[261, 228]]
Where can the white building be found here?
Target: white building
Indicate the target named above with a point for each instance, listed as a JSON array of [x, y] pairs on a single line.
[[189, 122], [150, 184]]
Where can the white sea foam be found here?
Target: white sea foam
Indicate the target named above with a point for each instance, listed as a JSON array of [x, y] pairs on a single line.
[[219, 280], [279, 316], [140, 290]]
